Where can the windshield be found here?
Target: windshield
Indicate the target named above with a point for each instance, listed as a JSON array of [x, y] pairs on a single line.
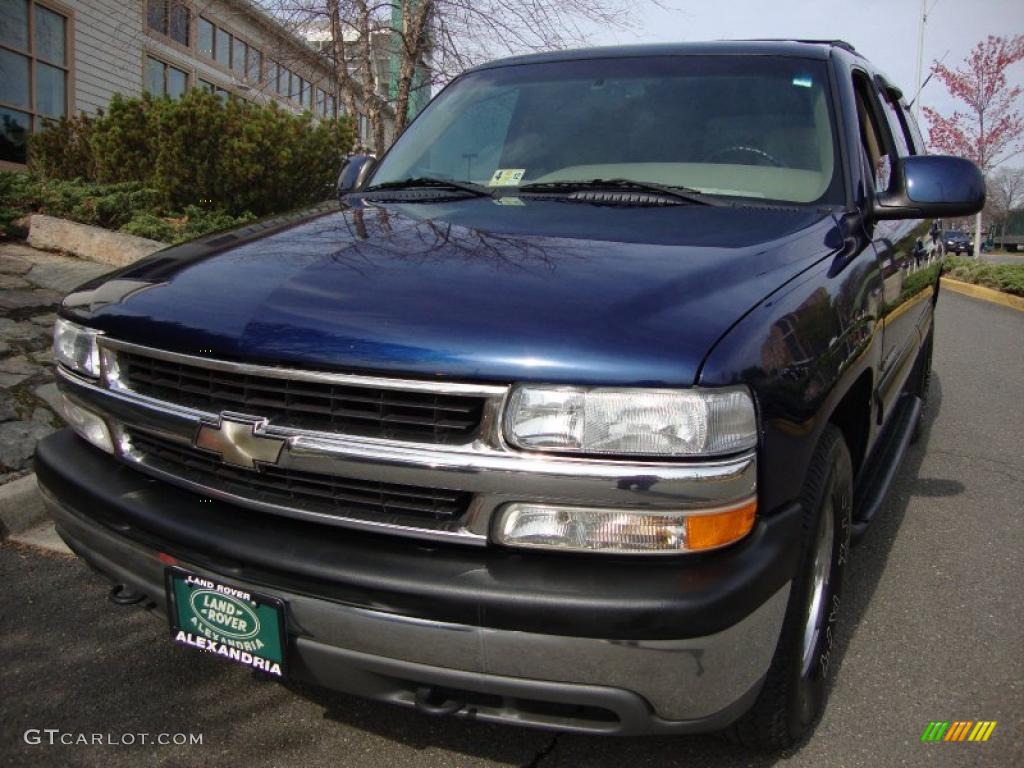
[[746, 126]]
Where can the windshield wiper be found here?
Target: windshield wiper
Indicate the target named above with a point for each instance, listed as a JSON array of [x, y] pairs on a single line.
[[477, 190], [679, 193]]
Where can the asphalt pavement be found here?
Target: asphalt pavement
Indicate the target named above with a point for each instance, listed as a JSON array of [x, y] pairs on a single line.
[[1016, 257], [933, 626]]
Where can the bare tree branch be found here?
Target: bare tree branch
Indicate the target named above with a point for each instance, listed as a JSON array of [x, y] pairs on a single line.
[[435, 41]]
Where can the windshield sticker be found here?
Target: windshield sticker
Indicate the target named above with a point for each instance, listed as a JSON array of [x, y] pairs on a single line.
[[803, 82], [507, 177], [508, 200]]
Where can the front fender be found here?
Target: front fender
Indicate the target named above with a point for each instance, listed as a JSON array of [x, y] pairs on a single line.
[[800, 351]]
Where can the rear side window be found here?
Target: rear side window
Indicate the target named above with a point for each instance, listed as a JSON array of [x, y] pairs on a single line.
[[915, 131], [896, 117], [876, 142]]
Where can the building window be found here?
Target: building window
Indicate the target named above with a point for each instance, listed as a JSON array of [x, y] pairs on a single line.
[[324, 104], [33, 72], [170, 18], [222, 48], [238, 55], [164, 80], [204, 43], [229, 51], [255, 66], [219, 92]]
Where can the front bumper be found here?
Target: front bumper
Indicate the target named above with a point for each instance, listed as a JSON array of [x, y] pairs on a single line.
[[620, 645]]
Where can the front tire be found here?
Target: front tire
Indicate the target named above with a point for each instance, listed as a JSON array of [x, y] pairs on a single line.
[[795, 688]]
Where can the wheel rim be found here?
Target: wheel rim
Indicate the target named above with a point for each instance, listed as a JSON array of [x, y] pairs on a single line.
[[822, 569]]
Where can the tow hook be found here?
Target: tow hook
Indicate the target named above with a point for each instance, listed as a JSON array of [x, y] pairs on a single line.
[[121, 595], [433, 701]]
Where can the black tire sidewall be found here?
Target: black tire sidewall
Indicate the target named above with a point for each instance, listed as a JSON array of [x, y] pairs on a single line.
[[790, 701], [809, 690]]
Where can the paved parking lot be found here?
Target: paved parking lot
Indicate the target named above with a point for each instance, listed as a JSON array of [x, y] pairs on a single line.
[[1004, 257], [933, 632]]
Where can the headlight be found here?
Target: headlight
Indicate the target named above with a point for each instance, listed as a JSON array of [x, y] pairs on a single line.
[[622, 531], [75, 348], [631, 422]]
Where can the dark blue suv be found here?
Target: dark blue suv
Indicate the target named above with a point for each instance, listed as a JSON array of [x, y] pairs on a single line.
[[957, 242], [564, 417]]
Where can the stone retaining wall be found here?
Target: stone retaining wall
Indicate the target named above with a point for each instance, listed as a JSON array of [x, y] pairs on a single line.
[[115, 248]]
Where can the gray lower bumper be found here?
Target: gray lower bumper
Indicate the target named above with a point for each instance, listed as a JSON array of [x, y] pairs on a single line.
[[549, 681]]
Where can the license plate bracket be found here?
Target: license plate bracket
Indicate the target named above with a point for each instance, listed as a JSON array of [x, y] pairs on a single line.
[[219, 618]]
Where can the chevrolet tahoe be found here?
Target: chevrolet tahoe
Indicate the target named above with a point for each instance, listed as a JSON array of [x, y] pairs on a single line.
[[563, 414]]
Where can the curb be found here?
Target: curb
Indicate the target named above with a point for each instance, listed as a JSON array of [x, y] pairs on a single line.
[[985, 294], [21, 506]]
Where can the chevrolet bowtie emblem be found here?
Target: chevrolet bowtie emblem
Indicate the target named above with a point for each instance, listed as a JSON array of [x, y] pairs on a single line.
[[236, 442]]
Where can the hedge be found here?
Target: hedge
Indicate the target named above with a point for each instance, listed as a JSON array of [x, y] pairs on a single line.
[[198, 151], [1008, 278], [127, 206]]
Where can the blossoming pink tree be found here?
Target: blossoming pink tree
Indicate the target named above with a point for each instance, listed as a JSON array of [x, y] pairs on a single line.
[[990, 131]]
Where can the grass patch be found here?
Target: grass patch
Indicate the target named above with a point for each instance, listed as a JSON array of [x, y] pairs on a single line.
[[1008, 278]]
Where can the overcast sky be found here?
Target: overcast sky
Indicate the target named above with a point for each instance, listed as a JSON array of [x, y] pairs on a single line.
[[885, 31]]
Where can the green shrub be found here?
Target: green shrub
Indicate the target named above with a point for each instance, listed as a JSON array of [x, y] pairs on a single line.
[[193, 223], [127, 206], [150, 225], [1008, 278], [103, 205], [12, 193], [64, 150], [236, 157], [123, 143]]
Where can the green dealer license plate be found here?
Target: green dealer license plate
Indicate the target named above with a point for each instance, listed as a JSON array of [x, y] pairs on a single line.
[[228, 621]]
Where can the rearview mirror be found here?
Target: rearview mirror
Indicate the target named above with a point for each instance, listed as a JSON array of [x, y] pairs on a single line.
[[354, 173], [930, 187]]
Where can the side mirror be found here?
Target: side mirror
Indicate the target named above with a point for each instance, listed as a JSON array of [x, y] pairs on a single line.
[[932, 186], [355, 172]]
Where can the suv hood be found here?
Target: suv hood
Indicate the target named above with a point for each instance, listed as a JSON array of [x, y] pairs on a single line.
[[545, 290]]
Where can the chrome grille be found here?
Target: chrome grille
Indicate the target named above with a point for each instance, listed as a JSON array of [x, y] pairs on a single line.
[[329, 494], [394, 414]]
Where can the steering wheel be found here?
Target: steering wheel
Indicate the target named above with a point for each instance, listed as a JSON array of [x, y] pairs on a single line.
[[772, 160]]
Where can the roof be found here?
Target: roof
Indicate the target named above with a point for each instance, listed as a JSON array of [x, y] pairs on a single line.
[[808, 49]]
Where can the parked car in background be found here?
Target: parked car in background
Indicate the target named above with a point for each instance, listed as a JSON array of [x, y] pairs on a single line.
[[565, 417], [957, 242]]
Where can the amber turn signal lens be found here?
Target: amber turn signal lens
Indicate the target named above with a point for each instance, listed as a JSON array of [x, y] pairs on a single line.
[[622, 531], [720, 528]]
